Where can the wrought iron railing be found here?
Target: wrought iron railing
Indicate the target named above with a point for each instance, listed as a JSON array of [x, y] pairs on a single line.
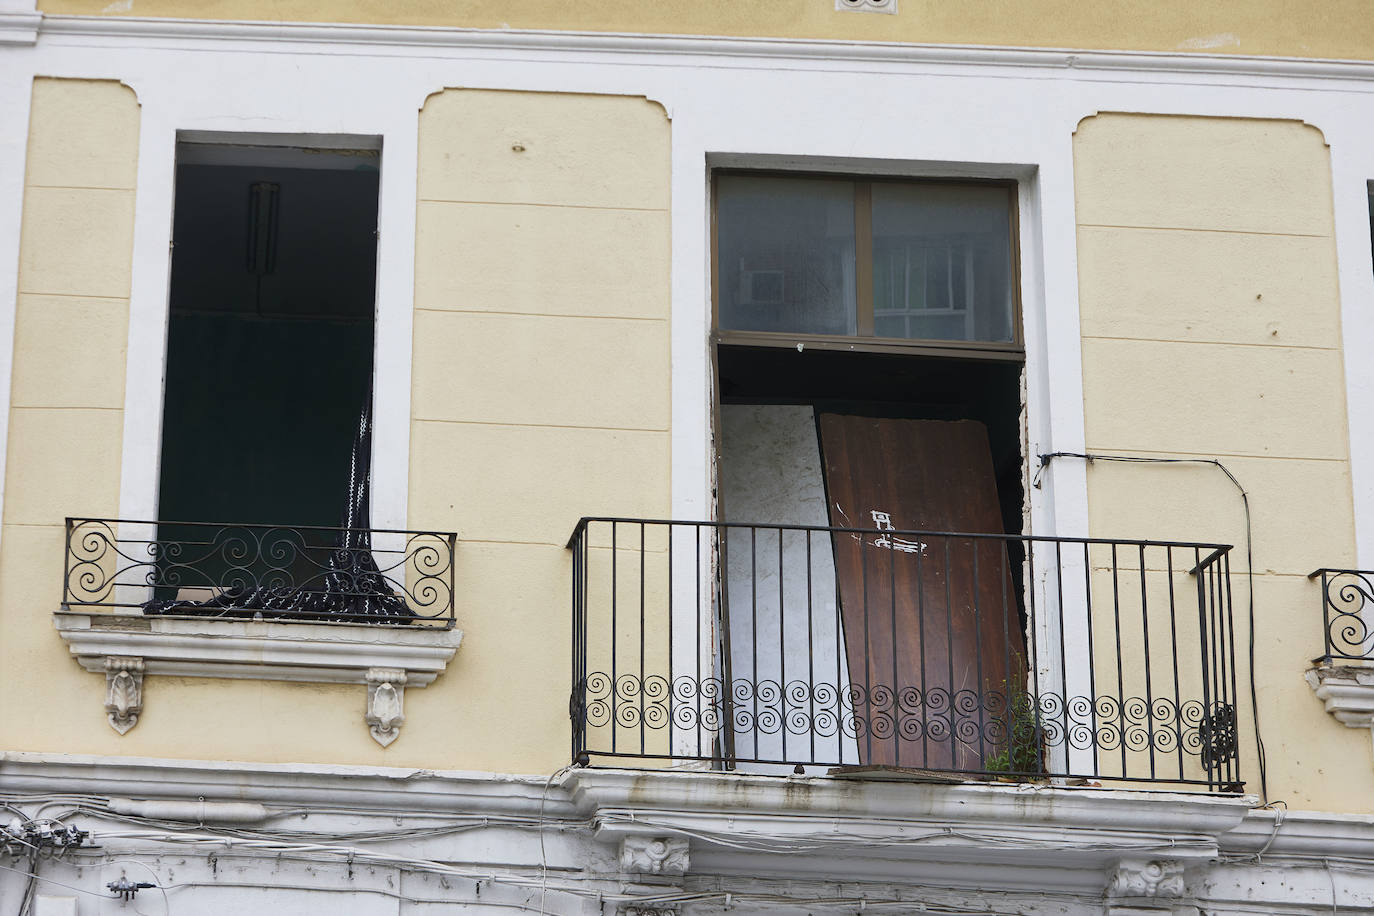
[[1347, 614], [784, 647], [275, 572]]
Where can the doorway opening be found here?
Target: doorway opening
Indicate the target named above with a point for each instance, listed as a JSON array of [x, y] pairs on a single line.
[[870, 469]]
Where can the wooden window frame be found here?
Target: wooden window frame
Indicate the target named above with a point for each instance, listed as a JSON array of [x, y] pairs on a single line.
[[864, 340]]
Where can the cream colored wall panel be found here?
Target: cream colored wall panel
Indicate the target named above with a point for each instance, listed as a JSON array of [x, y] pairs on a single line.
[[82, 134], [544, 148], [1208, 286], [542, 260], [1232, 174], [532, 484], [1301, 510], [51, 704], [512, 606], [61, 462], [1335, 28], [603, 372], [76, 242], [69, 352], [1213, 399]]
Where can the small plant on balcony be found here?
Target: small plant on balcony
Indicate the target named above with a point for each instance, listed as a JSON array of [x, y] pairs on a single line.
[[1022, 752]]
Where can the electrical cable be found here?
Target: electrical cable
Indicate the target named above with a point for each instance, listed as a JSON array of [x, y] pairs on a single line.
[[34, 876], [1090, 457], [543, 854]]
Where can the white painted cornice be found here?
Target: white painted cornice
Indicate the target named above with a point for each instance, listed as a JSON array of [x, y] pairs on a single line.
[[1068, 839], [1348, 693], [128, 647], [258, 649], [1302, 835], [384, 790], [820, 51], [19, 27]]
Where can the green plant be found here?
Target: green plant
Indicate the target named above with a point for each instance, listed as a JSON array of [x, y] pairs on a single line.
[[1022, 752]]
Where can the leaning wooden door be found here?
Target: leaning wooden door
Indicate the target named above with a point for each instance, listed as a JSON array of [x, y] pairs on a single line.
[[932, 633]]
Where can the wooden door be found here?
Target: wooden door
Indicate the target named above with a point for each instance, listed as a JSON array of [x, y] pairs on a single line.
[[932, 633]]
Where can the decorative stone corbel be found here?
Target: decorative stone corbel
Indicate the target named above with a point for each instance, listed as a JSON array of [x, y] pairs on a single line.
[[123, 691], [385, 703], [660, 855], [1347, 691], [1141, 878]]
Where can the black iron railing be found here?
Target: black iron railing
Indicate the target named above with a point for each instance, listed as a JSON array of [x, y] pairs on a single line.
[[791, 646], [276, 572], [1347, 614]]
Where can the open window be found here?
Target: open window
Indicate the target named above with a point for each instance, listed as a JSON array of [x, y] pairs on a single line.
[[267, 407], [869, 385]]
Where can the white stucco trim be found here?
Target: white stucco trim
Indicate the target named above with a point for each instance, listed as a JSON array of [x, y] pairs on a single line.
[[837, 50], [19, 26], [225, 116], [16, 96], [332, 653], [978, 847]]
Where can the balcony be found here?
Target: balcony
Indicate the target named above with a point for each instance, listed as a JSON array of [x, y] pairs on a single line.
[[1347, 626], [1342, 677], [938, 655], [361, 606], [263, 572]]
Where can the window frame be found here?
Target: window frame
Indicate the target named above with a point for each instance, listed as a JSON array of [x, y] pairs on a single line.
[[864, 340]]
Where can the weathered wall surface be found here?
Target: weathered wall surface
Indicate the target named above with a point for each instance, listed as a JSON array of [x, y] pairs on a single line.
[[540, 394], [541, 383], [1211, 328], [1336, 29], [67, 401]]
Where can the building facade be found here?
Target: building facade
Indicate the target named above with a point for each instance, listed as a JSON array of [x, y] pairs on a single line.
[[804, 457]]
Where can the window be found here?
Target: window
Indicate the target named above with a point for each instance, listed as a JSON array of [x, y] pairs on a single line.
[[270, 333], [890, 260]]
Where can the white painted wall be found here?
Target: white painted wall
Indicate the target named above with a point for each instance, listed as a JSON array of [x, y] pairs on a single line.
[[786, 637]]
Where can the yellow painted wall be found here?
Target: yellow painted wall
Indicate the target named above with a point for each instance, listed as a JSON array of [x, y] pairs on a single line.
[[67, 403], [1332, 29], [540, 394], [541, 382], [1211, 328]]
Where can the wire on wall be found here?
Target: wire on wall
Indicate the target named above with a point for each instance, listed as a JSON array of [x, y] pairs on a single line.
[[1090, 457]]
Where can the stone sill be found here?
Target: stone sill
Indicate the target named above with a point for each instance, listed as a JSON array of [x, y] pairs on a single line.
[[126, 647], [1347, 691]]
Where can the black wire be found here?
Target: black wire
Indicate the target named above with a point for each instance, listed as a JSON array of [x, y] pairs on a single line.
[[1249, 569]]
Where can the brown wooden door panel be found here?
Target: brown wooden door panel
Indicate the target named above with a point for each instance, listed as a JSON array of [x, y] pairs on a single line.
[[932, 634]]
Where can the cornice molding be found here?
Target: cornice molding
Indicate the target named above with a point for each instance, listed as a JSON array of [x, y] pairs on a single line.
[[1347, 692], [996, 837], [257, 649], [829, 52], [126, 647], [19, 28]]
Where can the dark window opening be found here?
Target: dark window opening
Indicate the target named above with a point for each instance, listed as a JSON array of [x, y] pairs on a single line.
[[266, 412]]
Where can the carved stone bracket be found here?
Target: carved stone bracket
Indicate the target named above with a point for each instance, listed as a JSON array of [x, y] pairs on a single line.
[[1141, 878], [123, 691], [654, 855], [1348, 693], [387, 660], [385, 703]]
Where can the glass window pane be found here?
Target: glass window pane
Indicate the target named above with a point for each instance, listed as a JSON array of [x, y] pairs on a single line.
[[942, 262], [785, 260]]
